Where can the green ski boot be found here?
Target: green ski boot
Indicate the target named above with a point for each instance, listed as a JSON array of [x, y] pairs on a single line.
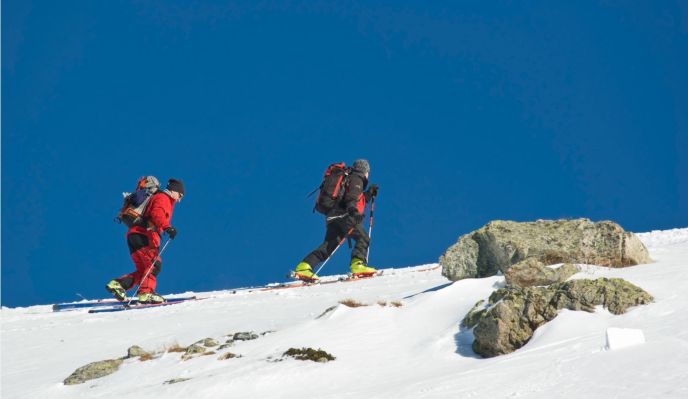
[[360, 269], [304, 272], [150, 297], [116, 289]]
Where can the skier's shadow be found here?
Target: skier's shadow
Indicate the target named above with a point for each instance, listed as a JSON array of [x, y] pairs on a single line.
[[439, 287]]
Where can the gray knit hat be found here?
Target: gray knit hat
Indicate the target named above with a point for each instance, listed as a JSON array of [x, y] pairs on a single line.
[[361, 165]]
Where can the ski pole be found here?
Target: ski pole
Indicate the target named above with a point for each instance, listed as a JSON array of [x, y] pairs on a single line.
[[148, 271], [335, 250], [370, 226]]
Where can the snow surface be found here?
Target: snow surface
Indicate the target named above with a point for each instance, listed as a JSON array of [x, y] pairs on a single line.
[[414, 351], [619, 338]]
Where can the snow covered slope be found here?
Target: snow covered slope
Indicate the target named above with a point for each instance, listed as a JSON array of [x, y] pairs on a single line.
[[416, 350]]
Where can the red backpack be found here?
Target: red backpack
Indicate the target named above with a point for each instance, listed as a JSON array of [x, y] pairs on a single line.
[[332, 187]]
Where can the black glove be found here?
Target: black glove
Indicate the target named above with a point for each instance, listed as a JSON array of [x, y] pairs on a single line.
[[355, 216], [171, 232], [372, 191]]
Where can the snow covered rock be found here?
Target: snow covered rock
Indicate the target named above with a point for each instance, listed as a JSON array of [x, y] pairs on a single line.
[[500, 244], [619, 338], [93, 370], [532, 272], [511, 322]]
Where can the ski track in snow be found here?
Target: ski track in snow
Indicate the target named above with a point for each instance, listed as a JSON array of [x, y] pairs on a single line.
[[413, 351]]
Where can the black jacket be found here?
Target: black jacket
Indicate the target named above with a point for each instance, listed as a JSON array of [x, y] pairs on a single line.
[[355, 187]]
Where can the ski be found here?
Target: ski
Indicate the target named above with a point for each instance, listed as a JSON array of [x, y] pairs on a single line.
[[59, 307], [123, 306], [309, 283], [359, 276]]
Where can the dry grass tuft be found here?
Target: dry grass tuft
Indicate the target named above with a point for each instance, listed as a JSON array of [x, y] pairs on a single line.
[[396, 304], [351, 303], [146, 356], [175, 348]]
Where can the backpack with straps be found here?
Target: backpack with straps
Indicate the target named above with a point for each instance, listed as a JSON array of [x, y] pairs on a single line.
[[332, 187], [135, 203]]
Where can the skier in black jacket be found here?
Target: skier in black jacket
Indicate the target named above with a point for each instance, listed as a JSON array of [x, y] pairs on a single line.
[[345, 218]]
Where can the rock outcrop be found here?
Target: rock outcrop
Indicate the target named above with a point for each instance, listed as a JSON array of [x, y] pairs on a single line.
[[245, 336], [532, 272], [315, 355], [500, 244], [208, 342], [511, 321], [193, 350], [136, 351], [92, 371]]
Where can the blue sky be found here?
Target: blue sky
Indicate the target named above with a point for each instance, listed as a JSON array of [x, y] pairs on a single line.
[[467, 111]]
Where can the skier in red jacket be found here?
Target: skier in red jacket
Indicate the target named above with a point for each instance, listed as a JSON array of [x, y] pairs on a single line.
[[144, 244]]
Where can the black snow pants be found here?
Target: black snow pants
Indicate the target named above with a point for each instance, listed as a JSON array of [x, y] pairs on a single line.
[[337, 227]]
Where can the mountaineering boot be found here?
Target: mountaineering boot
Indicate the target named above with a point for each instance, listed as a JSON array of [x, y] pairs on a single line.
[[116, 289], [360, 269], [150, 297], [304, 272]]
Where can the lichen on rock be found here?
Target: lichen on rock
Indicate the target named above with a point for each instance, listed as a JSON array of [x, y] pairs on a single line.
[[93, 370], [498, 245], [532, 272], [510, 322]]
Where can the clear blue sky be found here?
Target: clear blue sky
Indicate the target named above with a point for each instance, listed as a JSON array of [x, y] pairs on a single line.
[[467, 111]]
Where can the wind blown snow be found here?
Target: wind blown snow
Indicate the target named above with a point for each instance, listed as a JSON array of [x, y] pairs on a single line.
[[416, 350]]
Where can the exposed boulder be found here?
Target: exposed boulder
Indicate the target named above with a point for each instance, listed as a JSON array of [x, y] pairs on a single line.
[[135, 351], [208, 342], [245, 336], [93, 370], [473, 316], [532, 272], [500, 244], [316, 355], [228, 355], [192, 350], [510, 323]]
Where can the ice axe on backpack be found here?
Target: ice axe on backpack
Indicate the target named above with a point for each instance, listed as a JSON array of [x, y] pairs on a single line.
[[149, 270]]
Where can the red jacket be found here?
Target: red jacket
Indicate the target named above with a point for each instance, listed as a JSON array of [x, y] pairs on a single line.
[[158, 214]]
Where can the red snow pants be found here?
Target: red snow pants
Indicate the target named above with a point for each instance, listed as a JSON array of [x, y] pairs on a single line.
[[144, 252]]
